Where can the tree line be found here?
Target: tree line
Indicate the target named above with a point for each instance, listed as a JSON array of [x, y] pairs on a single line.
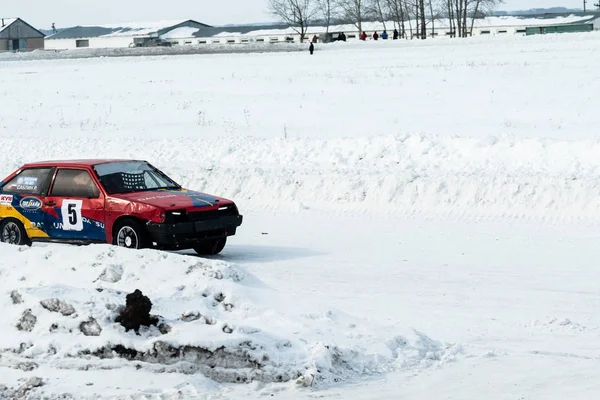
[[410, 17]]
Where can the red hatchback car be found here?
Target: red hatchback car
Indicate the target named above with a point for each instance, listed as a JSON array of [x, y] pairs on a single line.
[[128, 203]]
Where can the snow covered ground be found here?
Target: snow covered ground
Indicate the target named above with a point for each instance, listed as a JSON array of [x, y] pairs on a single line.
[[444, 192]]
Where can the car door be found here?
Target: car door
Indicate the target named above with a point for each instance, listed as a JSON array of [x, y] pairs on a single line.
[[22, 198], [74, 207]]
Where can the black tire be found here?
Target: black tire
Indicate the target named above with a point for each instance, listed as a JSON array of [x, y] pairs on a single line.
[[210, 247], [130, 234], [12, 231]]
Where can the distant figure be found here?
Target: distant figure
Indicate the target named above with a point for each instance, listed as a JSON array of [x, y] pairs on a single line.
[[363, 36], [375, 36], [396, 35], [384, 35], [342, 36], [314, 39], [311, 48]]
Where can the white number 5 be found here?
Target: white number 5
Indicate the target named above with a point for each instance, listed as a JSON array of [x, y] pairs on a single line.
[[71, 214]]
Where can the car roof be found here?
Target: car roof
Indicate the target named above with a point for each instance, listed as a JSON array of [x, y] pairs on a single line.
[[73, 163]]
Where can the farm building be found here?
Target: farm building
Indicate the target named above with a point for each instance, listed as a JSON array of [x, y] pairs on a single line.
[[18, 35], [567, 28], [501, 25], [192, 33], [116, 35]]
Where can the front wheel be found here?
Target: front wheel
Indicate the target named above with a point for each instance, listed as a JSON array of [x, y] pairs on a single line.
[[210, 247], [12, 231], [130, 234]]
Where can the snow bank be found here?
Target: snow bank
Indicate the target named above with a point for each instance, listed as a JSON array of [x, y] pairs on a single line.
[[60, 304], [152, 51], [468, 178]]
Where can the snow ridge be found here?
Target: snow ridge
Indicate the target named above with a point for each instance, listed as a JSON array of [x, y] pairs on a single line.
[[431, 175], [215, 319]]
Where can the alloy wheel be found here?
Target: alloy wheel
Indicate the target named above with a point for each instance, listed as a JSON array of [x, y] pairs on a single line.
[[11, 233], [127, 237]]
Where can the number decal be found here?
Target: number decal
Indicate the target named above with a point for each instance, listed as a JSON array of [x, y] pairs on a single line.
[[71, 214]]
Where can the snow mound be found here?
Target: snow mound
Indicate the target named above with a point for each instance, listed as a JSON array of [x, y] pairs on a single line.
[[60, 304], [431, 175]]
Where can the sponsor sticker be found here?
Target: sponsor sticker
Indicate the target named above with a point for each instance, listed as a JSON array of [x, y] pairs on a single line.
[[30, 203], [27, 188], [6, 199], [27, 180], [157, 197]]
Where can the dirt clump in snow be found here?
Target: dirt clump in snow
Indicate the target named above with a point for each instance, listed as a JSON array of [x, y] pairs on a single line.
[[27, 321], [136, 312], [58, 306], [16, 297], [191, 316], [23, 391], [90, 327]]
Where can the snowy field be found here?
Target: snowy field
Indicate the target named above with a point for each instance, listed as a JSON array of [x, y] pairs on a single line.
[[421, 222]]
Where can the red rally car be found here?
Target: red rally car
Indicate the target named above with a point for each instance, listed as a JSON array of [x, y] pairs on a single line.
[[128, 203]]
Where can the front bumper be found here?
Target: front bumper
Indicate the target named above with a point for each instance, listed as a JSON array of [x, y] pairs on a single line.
[[187, 234]]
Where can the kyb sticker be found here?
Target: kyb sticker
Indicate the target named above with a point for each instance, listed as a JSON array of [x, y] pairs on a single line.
[[6, 199]]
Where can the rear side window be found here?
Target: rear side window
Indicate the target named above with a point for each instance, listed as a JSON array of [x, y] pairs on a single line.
[[74, 183], [30, 181]]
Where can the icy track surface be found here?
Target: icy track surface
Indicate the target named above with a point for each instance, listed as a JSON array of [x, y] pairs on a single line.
[[333, 159], [215, 319]]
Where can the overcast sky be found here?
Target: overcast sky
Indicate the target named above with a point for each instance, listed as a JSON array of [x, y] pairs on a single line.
[[65, 13]]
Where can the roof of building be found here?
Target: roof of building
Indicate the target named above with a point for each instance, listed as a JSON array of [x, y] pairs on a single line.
[[6, 22], [180, 29], [123, 29], [283, 29]]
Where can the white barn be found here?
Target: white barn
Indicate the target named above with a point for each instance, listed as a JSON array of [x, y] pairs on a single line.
[[116, 35], [193, 33], [501, 25]]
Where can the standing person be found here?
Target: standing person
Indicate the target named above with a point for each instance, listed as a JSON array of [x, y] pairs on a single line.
[[363, 36], [311, 48], [384, 35], [375, 36], [396, 34]]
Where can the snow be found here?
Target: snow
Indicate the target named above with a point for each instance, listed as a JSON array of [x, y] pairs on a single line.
[[183, 32], [442, 193], [139, 28], [7, 23], [215, 318]]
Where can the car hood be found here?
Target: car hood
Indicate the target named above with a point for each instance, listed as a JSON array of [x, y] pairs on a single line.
[[174, 199]]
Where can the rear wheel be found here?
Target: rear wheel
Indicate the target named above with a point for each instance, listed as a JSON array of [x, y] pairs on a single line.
[[12, 231], [210, 247], [130, 234]]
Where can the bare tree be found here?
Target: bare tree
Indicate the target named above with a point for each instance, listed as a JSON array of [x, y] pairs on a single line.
[[356, 11], [397, 10], [327, 10], [297, 13], [482, 8], [377, 8]]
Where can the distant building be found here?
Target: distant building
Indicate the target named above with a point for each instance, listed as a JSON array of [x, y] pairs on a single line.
[[117, 35], [18, 35], [192, 33], [277, 33]]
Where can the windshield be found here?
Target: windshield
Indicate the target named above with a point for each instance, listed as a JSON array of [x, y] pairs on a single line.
[[132, 176]]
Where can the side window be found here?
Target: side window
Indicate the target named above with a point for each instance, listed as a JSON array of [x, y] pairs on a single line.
[[30, 181], [74, 183]]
